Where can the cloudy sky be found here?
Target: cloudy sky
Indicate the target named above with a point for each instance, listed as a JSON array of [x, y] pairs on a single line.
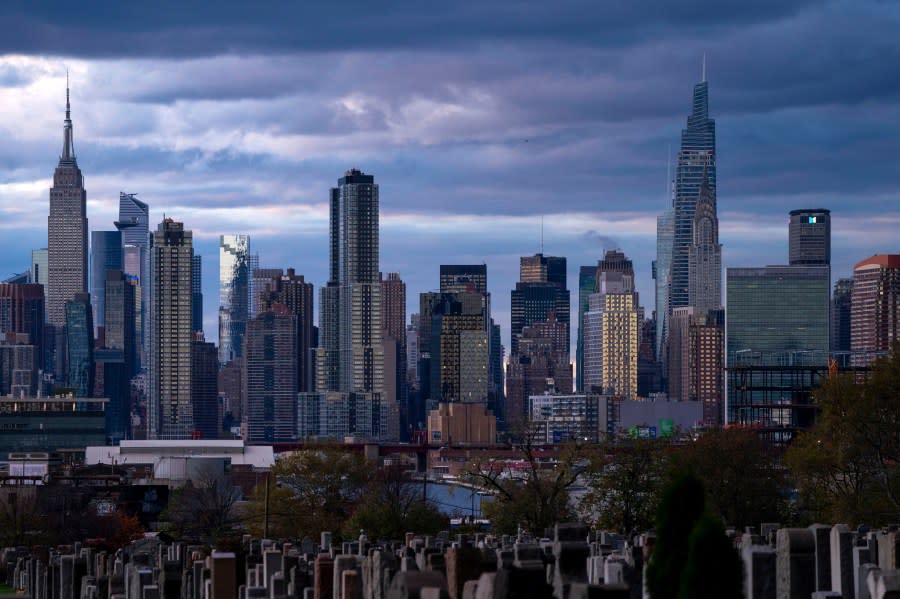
[[478, 119]]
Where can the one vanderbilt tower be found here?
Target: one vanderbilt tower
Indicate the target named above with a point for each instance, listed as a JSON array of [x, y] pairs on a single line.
[[67, 228]]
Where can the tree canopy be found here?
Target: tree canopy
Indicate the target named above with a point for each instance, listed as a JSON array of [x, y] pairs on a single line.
[[847, 467]]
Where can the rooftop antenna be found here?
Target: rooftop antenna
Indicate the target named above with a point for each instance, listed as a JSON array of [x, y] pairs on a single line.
[[704, 68], [542, 234]]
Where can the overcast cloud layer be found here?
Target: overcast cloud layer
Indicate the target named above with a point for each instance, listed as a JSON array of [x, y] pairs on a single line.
[[478, 119]]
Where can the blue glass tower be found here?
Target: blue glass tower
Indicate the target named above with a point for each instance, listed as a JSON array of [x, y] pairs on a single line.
[[106, 254], [696, 160], [80, 345]]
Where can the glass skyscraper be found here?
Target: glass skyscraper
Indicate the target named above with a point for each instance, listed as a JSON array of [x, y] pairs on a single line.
[[106, 254], [197, 294], [587, 281], [696, 163], [80, 345], [234, 295], [662, 273], [777, 308], [134, 224]]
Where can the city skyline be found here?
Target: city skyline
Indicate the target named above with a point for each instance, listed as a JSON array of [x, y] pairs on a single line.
[[488, 157]]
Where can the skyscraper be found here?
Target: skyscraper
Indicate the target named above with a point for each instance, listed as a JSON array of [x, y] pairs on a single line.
[[106, 254], [292, 291], [170, 411], [696, 165], [134, 224], [67, 230], [234, 294], [809, 237], [461, 278], [840, 315], [393, 322], [271, 376], [587, 282], [541, 288], [197, 294], [777, 309], [38, 276], [350, 357], [204, 388], [22, 311], [119, 331], [662, 275], [80, 345], [875, 308], [705, 255], [615, 275]]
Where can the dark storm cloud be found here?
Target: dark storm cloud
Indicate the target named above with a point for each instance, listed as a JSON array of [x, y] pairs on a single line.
[[112, 28]]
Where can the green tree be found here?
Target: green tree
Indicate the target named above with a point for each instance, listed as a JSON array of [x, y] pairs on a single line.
[[392, 506], [847, 467], [681, 506], [624, 482], [319, 490], [744, 482], [713, 569], [534, 497], [203, 510]]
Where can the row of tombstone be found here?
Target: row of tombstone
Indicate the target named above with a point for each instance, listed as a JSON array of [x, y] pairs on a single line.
[[570, 562]]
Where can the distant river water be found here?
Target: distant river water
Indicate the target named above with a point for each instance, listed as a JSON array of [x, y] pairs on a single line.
[[454, 500]]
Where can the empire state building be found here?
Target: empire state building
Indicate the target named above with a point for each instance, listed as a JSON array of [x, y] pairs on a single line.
[[67, 228]]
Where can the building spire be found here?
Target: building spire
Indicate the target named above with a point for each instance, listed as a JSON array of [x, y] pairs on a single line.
[[68, 153], [703, 72]]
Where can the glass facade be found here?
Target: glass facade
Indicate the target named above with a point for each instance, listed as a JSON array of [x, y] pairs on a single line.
[[106, 254], [696, 162], [134, 224], [587, 280], [777, 308], [662, 273], [234, 294], [80, 345]]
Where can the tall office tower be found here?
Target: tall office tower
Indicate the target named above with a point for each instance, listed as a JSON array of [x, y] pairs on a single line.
[[263, 282], [271, 376], [662, 276], [292, 291], [463, 278], [134, 223], [80, 344], [393, 323], [204, 388], [540, 366], [809, 237], [170, 414], [67, 230], [252, 266], [696, 361], [875, 308], [106, 254], [614, 275], [231, 393], [543, 269], [459, 349], [412, 352], [696, 164], [705, 255], [22, 310], [587, 282], [39, 272], [840, 315], [649, 369], [119, 331], [777, 309], [541, 288], [496, 397], [197, 294], [234, 294], [621, 333], [350, 357]]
